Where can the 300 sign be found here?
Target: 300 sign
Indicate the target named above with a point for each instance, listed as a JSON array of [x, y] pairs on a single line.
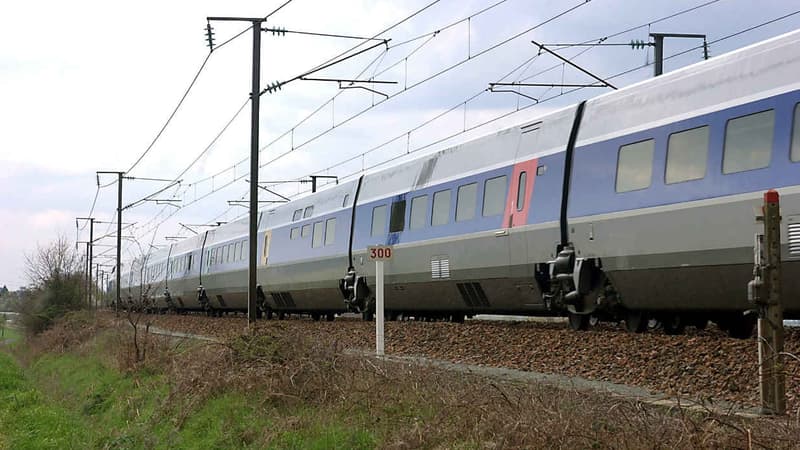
[[379, 253]]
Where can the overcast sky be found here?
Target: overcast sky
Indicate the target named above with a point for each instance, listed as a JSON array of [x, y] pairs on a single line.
[[86, 85]]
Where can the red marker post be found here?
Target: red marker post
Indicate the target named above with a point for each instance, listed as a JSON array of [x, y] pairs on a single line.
[[765, 294]]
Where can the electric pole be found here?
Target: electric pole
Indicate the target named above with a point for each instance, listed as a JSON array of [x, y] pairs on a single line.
[[119, 234], [89, 258], [255, 94]]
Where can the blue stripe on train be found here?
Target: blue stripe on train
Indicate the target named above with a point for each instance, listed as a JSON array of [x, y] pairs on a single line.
[[593, 189]]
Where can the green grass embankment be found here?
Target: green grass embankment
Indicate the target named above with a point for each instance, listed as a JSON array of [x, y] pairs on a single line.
[[66, 401]]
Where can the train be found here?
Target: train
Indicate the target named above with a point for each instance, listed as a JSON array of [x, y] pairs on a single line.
[[636, 206]]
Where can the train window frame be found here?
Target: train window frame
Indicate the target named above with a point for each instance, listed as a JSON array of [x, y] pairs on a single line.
[[294, 233], [418, 216], [466, 204], [330, 231], [308, 212], [237, 248], [379, 212], [230, 253], [243, 255], [305, 231], [794, 150], [726, 146], [318, 235], [346, 199], [522, 190], [438, 199], [189, 262], [397, 219], [497, 205], [681, 177], [624, 150], [298, 213]]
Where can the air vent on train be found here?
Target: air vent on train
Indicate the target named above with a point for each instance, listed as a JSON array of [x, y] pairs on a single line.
[[473, 295], [283, 299], [794, 237], [440, 267]]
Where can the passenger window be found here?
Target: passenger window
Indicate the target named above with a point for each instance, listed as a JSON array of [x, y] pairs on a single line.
[[796, 135], [295, 233], [465, 202], [316, 240], [308, 211], [494, 196], [346, 199], [419, 211], [687, 153], [398, 219], [305, 231], [378, 220], [522, 188], [748, 142], [230, 253], [635, 166], [245, 250], [441, 208], [297, 214], [237, 250], [330, 231]]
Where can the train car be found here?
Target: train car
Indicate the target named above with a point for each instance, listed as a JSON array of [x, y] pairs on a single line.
[[634, 205]]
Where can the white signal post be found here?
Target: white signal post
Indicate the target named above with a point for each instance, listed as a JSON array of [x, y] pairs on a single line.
[[379, 254]]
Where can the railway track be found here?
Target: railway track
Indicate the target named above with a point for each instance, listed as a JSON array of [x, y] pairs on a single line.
[[701, 364]]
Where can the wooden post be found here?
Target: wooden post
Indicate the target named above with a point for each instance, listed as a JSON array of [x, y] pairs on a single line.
[[772, 380]]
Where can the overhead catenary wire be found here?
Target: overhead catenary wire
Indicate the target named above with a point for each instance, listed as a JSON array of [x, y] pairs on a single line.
[[571, 91], [329, 101], [458, 105], [406, 89], [414, 14], [485, 51]]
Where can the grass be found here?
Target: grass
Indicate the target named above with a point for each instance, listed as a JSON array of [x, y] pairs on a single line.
[[79, 389], [28, 420], [10, 335]]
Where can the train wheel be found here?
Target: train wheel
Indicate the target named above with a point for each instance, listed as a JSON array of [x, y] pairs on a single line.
[[673, 325], [635, 321], [315, 316], [740, 327], [367, 316], [330, 316], [268, 313], [281, 315], [578, 322]]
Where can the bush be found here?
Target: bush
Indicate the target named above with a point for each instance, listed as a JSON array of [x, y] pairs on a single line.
[[57, 286]]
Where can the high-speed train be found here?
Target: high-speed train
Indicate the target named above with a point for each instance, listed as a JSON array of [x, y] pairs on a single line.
[[634, 205]]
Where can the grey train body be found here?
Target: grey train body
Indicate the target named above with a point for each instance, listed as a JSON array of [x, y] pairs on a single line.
[[559, 224]]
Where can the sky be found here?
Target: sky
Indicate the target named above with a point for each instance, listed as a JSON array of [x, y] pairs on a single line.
[[89, 88]]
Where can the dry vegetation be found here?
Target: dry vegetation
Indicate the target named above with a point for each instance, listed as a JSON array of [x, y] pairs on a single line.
[[700, 365], [310, 380]]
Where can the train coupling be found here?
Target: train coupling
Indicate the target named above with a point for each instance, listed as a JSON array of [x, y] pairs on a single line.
[[355, 291]]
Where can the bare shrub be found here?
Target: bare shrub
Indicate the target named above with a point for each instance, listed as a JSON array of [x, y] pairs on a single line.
[[56, 285]]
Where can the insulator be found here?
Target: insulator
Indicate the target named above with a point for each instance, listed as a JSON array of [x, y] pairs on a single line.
[[210, 36]]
